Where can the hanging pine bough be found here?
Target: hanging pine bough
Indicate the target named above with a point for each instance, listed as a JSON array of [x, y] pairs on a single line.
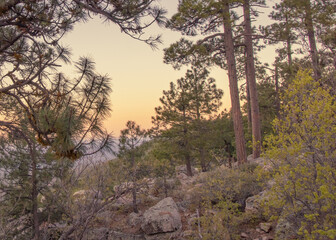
[[30, 56]]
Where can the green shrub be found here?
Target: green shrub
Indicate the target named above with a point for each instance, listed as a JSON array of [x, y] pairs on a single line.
[[222, 195], [304, 152]]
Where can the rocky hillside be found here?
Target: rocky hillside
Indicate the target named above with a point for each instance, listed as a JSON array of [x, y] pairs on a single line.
[[220, 204]]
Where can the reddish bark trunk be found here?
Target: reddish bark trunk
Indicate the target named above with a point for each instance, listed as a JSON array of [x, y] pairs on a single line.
[[252, 85], [312, 42], [233, 84], [277, 91]]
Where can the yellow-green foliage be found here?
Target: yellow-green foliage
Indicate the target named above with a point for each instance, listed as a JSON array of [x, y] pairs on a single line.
[[221, 222], [303, 149], [233, 184], [223, 197]]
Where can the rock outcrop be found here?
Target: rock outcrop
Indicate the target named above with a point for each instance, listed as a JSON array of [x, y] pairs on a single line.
[[162, 218]]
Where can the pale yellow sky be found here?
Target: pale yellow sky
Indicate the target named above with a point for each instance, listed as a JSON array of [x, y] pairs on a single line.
[[138, 73]]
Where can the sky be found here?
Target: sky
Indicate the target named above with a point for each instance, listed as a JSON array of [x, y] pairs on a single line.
[[137, 71]]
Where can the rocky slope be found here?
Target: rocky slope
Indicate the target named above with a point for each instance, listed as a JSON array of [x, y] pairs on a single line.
[[176, 216]]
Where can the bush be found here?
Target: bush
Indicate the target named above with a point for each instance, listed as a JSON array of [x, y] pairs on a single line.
[[222, 196], [304, 153], [235, 185]]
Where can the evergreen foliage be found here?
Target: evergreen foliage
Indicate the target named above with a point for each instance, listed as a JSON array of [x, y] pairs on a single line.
[[185, 107]]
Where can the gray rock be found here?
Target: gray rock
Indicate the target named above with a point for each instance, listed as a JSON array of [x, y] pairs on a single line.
[[266, 227], [183, 169], [285, 229], [260, 161], [252, 204], [114, 235], [250, 158], [162, 218], [244, 235]]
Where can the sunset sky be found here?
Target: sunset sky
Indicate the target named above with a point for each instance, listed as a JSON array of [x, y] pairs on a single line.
[[138, 73]]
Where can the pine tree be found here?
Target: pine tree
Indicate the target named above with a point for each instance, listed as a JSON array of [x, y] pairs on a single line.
[[129, 141], [207, 18], [62, 126], [304, 19], [31, 53], [194, 98]]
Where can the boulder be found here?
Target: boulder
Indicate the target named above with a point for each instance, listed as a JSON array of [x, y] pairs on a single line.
[[260, 161], [162, 218], [252, 204], [266, 227], [244, 235], [113, 235]]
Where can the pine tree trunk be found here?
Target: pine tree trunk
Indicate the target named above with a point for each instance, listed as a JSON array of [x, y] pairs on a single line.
[[289, 58], [277, 91], [252, 85], [312, 42], [248, 98], [203, 162], [187, 156], [135, 207], [188, 164], [134, 187], [233, 83], [289, 45]]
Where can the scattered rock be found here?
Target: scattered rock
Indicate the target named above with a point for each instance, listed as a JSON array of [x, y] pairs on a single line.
[[114, 235], [162, 218], [124, 202], [86, 194], [162, 236], [81, 194], [184, 178], [262, 162], [123, 188], [187, 234], [243, 235], [252, 204], [250, 158], [266, 227]]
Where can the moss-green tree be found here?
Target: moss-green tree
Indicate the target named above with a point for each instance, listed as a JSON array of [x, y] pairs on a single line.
[[303, 150]]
